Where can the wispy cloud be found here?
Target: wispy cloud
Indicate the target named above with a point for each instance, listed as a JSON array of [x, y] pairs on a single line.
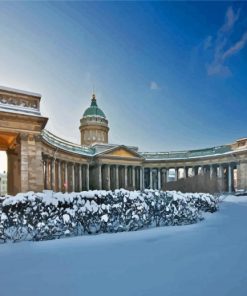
[[154, 85], [230, 19], [236, 47], [221, 45]]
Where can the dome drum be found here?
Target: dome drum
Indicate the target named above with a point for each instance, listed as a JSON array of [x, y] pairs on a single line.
[[94, 125]]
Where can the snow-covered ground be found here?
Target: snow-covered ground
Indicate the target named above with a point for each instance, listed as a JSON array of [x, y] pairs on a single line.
[[208, 258]]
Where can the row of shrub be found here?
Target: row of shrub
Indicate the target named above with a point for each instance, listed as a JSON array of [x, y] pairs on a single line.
[[48, 215]]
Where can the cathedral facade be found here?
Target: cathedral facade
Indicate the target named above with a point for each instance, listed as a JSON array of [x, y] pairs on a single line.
[[38, 159]]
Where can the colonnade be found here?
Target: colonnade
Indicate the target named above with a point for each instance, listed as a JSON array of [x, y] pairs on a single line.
[[156, 178], [111, 177], [65, 176]]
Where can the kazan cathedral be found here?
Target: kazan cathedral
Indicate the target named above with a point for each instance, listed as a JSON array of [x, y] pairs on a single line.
[[38, 159]]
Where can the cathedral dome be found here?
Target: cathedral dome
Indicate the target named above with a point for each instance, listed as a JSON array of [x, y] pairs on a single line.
[[94, 125], [94, 110]]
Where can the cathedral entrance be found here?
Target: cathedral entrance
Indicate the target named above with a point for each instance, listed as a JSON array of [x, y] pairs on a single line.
[[9, 163], [20, 127]]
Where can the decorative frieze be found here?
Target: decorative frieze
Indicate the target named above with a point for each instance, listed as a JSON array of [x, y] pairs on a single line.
[[20, 102]]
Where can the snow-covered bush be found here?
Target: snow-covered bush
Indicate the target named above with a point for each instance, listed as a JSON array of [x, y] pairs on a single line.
[[43, 216]]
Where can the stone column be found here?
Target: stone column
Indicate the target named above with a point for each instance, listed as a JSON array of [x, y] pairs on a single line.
[[80, 178], [184, 173], [117, 176], [45, 177], [100, 176], [53, 175], [159, 179], [192, 171], [125, 177], [108, 177], [229, 178], [221, 178], [141, 179], [28, 174], [211, 171], [196, 171], [87, 177], [66, 176], [133, 178], [151, 178], [167, 175], [202, 170], [73, 176], [163, 178], [59, 176], [48, 175], [176, 174]]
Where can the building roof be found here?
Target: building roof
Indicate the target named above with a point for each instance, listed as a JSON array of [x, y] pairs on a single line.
[[66, 145], [104, 147], [187, 154], [18, 91], [94, 110], [98, 149]]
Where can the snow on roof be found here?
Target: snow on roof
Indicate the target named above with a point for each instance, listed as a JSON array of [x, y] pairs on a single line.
[[148, 156], [23, 92], [66, 145], [214, 151]]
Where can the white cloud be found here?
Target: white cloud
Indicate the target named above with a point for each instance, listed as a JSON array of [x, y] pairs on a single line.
[[154, 85], [222, 49], [230, 19], [236, 47], [218, 69]]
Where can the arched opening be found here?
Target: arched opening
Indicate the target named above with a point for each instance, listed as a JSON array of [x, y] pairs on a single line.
[[9, 163]]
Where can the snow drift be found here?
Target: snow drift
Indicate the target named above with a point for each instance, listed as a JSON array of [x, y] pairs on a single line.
[[48, 215]]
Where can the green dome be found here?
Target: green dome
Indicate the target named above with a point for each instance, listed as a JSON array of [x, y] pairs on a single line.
[[94, 110]]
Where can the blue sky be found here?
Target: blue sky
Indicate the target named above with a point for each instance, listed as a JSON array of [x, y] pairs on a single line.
[[169, 76]]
